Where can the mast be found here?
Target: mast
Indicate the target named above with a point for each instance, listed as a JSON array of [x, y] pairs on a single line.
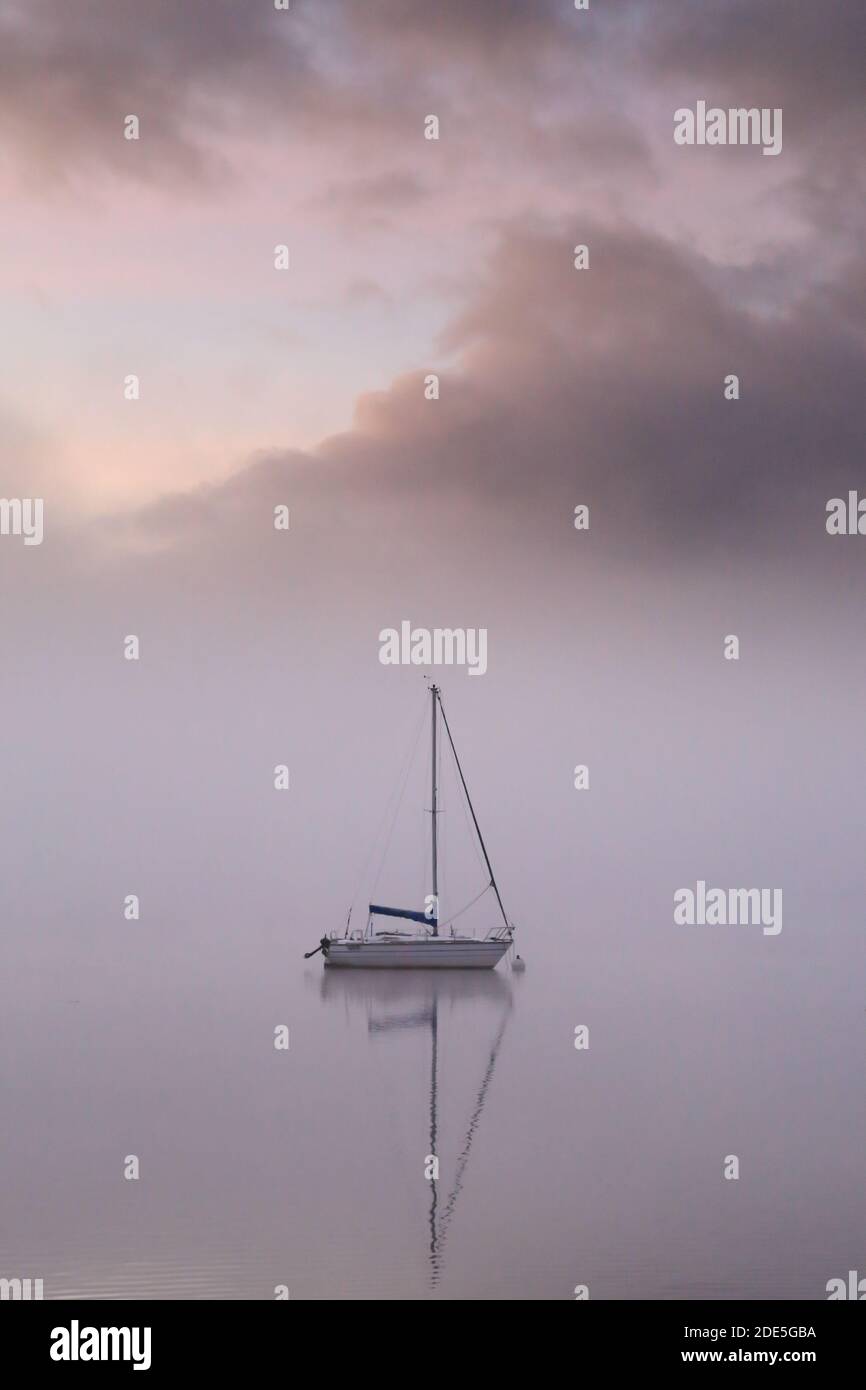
[[434, 692]]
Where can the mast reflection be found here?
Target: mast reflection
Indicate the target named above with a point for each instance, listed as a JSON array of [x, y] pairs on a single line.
[[399, 1001]]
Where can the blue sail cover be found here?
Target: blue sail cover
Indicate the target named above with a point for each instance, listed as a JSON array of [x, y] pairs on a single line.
[[403, 912]]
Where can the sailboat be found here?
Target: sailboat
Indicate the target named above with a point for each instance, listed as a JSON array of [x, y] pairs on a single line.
[[434, 946]]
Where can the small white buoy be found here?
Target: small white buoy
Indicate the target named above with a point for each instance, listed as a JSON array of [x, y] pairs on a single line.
[[518, 963]]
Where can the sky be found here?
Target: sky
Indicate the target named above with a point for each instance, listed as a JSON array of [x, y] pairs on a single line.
[[305, 128], [558, 388]]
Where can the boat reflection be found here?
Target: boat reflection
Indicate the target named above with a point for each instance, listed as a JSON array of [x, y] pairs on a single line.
[[397, 1001]]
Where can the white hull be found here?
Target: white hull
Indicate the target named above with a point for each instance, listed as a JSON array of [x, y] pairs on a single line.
[[419, 953]]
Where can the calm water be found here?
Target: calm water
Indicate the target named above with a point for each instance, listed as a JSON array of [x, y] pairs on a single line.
[[306, 1168]]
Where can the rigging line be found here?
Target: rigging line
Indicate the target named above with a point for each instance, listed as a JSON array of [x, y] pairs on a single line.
[[485, 889], [474, 817], [448, 1209], [472, 839]]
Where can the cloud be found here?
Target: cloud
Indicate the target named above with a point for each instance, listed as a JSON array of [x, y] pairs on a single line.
[[603, 387], [781, 52], [491, 29], [210, 78], [202, 75], [202, 72], [375, 196]]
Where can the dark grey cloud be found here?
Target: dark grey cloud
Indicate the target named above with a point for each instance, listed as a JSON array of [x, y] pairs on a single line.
[[198, 71], [602, 386], [69, 74], [780, 52], [203, 69], [195, 73], [805, 58], [490, 29]]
